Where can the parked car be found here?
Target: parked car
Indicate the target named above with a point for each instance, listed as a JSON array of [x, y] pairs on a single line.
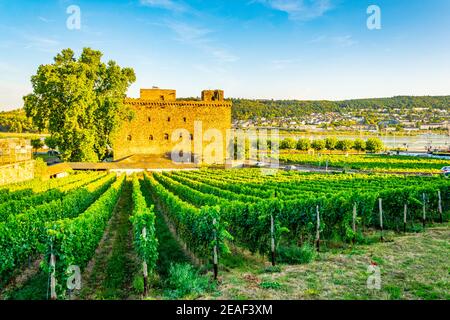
[[290, 168], [53, 153]]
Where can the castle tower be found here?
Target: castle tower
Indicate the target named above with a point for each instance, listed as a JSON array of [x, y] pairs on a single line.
[[161, 122]]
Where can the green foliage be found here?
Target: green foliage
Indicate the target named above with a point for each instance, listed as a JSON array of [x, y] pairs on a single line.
[[195, 226], [16, 121], [73, 240], [330, 143], [40, 169], [296, 255], [244, 109], [370, 162], [274, 285], [37, 143], [25, 234], [374, 145], [318, 145], [303, 144], [288, 143], [80, 102], [344, 145], [184, 280], [144, 217], [138, 284], [51, 142], [359, 145]]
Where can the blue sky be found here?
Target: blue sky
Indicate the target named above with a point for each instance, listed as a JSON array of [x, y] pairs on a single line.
[[282, 49]]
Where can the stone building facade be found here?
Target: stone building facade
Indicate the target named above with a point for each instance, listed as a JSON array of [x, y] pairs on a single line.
[[162, 123]]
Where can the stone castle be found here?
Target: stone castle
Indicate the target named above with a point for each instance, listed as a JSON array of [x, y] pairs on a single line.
[[161, 121]]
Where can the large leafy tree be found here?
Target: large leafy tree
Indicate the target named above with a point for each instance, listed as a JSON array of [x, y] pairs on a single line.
[[80, 102]]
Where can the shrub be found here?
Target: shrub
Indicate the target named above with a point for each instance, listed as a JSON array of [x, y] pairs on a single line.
[[318, 145], [303, 144], [288, 143], [374, 145], [296, 255], [330, 143], [344, 145], [270, 285], [359, 145], [184, 280]]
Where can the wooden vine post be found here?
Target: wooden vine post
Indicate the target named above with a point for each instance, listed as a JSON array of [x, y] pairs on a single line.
[[380, 206], [326, 166], [272, 235], [144, 265], [424, 217], [440, 206], [53, 295], [215, 255], [272, 242], [354, 222], [405, 211], [318, 229]]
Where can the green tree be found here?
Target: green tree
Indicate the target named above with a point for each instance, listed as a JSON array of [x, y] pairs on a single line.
[[344, 145], [36, 144], [288, 143], [374, 145], [51, 143], [303, 144], [359, 145], [330, 143], [318, 145], [80, 102]]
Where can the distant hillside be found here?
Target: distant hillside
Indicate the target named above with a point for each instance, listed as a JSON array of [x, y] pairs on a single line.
[[244, 109], [15, 121]]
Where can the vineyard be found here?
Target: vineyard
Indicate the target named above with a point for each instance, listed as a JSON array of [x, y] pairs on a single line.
[[206, 215], [370, 163]]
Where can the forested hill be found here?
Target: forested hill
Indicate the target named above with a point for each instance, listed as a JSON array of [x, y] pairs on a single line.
[[15, 121], [244, 109]]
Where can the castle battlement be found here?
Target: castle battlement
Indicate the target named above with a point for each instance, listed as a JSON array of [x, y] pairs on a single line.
[[158, 116]]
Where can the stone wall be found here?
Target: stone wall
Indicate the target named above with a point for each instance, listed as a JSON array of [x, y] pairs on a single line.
[[17, 172], [155, 130]]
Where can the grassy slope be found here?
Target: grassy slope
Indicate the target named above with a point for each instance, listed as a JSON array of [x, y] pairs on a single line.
[[414, 266]]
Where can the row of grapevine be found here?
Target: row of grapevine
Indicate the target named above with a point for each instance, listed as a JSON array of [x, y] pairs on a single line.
[[194, 226], [73, 241], [368, 162], [144, 232], [24, 234], [35, 186], [249, 223], [13, 207]]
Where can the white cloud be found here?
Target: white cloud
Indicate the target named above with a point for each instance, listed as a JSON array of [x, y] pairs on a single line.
[[170, 5], [199, 37], [303, 10]]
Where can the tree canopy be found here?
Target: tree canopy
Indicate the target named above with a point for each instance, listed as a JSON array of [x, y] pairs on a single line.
[[80, 102]]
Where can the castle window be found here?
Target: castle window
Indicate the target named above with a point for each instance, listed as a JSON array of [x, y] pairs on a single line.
[[192, 136], [129, 137], [150, 138], [149, 119], [168, 119], [181, 136], [166, 136], [184, 119]]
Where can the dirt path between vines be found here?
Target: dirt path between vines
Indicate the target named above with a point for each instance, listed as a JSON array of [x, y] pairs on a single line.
[[109, 275]]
